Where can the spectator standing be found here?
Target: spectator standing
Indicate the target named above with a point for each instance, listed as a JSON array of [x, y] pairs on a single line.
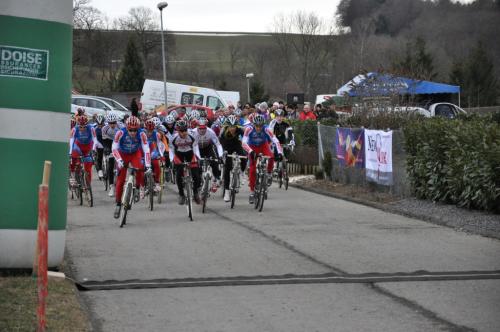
[[307, 114], [134, 107], [291, 112]]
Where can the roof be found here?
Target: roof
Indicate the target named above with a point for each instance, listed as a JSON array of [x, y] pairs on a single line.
[[375, 84]]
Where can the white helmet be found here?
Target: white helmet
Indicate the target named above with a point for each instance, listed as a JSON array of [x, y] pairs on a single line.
[[156, 121], [170, 119], [111, 117]]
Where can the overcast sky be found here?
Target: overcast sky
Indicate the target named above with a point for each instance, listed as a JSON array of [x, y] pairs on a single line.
[[219, 15]]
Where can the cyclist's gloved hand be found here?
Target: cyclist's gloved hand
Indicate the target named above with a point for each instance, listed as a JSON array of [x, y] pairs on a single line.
[[148, 169], [119, 163]]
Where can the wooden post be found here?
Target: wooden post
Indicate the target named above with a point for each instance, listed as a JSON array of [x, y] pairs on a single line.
[[42, 246]]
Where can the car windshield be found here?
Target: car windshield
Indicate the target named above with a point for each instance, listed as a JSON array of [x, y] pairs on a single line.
[[115, 104]]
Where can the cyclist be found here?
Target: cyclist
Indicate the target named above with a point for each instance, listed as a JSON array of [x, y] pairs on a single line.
[[156, 149], [98, 125], [129, 145], [230, 139], [108, 134], [82, 142], [257, 139], [217, 125], [207, 140], [184, 147], [283, 132], [170, 127]]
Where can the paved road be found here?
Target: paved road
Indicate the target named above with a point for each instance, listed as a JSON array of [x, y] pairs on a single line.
[[298, 233]]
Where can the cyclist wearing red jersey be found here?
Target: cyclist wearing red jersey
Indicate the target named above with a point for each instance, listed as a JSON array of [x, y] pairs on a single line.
[[257, 139], [83, 140], [129, 145], [156, 148]]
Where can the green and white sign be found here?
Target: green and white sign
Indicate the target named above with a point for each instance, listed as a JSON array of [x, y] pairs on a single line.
[[24, 62]]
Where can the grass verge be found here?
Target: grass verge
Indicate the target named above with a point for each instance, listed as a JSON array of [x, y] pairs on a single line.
[[18, 304]]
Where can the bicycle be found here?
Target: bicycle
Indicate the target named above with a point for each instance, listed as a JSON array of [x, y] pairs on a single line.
[[234, 185], [82, 179], [206, 178], [261, 182], [129, 195], [187, 180], [281, 167], [76, 189], [149, 185]]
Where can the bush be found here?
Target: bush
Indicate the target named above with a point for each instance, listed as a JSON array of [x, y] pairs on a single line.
[[455, 161]]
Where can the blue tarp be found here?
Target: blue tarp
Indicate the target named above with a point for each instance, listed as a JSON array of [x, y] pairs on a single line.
[[374, 84]]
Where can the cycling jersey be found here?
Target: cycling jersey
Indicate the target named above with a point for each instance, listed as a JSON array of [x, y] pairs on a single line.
[[179, 144], [126, 144], [156, 146], [282, 130], [253, 138], [86, 137], [208, 138]]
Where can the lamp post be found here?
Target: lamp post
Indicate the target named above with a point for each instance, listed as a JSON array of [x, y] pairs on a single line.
[[248, 76], [160, 6]]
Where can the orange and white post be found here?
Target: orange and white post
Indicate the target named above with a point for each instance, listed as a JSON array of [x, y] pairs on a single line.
[[42, 247]]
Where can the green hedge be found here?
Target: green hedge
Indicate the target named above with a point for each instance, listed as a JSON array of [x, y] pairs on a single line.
[[455, 161]]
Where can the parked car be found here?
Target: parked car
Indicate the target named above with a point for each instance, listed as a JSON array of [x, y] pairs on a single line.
[[445, 110], [97, 105]]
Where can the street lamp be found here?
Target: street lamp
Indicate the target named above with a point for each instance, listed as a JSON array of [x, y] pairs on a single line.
[[160, 6], [248, 76]]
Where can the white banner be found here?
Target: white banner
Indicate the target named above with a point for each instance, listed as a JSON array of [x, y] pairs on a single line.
[[378, 156]]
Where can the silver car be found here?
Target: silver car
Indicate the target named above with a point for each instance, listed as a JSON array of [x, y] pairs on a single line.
[[97, 105]]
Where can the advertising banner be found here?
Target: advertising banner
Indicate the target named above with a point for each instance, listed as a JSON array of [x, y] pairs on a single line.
[[349, 147], [378, 156], [24, 62]]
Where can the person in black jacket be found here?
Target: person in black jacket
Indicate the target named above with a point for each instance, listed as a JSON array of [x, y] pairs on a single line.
[[230, 138], [134, 107]]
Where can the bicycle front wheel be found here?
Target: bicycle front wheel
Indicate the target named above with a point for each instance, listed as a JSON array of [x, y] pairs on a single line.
[[151, 191], [262, 193], [189, 200]]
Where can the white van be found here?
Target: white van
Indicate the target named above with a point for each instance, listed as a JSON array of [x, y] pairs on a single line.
[[177, 94], [230, 97]]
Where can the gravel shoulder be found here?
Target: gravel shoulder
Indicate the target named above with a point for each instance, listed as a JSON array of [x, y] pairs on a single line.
[[470, 221]]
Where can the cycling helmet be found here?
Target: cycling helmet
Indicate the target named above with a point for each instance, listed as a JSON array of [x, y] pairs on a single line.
[[162, 128], [193, 123], [279, 112], [195, 114], [82, 120], [237, 112], [202, 124], [149, 124], [187, 117], [133, 122], [181, 125], [170, 119], [111, 117], [203, 113], [99, 119], [174, 114], [156, 121], [222, 119], [232, 120], [80, 111], [258, 120]]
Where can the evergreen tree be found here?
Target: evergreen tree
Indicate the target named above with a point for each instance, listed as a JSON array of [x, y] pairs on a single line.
[[257, 93], [131, 76], [416, 63], [475, 76], [481, 83]]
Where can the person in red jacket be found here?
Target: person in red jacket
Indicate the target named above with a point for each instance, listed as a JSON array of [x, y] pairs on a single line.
[[306, 114]]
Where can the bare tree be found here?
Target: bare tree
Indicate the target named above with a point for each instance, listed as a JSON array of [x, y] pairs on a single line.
[[143, 21], [310, 41]]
